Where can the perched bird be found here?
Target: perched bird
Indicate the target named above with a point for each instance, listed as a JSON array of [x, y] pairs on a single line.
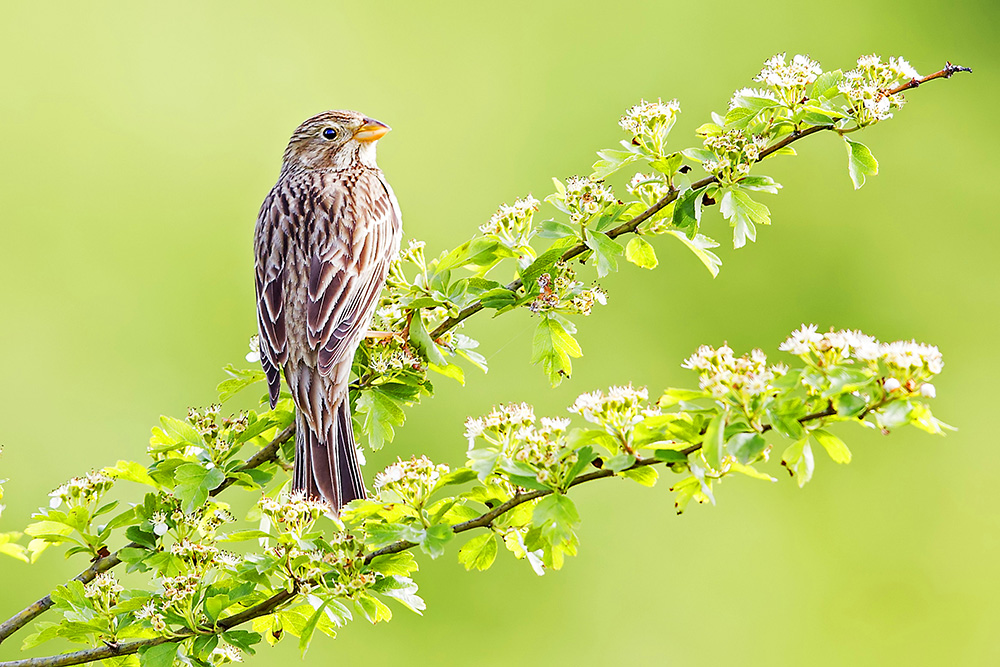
[[324, 240]]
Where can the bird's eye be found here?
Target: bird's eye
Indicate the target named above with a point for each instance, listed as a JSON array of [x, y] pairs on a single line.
[[329, 133]]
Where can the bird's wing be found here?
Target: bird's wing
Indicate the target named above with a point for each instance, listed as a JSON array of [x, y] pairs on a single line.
[[270, 247], [348, 269]]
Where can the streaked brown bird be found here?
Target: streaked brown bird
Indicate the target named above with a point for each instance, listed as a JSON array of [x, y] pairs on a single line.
[[325, 237]]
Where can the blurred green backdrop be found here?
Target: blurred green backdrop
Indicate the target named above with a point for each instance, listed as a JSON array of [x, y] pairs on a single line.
[[139, 139]]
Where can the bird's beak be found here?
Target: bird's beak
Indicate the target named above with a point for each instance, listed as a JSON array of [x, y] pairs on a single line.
[[372, 130]]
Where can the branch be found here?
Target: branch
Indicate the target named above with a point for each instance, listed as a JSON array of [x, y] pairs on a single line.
[[277, 600], [114, 650], [20, 619], [270, 452], [671, 197]]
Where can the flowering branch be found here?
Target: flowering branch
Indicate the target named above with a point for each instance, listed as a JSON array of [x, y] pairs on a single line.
[[630, 226], [305, 579]]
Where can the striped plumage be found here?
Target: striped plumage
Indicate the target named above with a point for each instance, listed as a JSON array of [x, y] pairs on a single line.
[[325, 236]]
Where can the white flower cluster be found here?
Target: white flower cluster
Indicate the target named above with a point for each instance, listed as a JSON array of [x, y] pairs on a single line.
[[499, 422], [867, 87], [81, 490], [650, 189], [513, 429], [649, 123], [103, 591], [544, 448], [253, 356], [586, 198], [179, 591], [618, 410], [781, 74], [720, 372], [225, 653], [194, 553], [292, 512], [908, 363], [583, 303], [736, 151], [411, 480], [413, 252], [844, 344], [151, 613], [512, 224], [565, 292]]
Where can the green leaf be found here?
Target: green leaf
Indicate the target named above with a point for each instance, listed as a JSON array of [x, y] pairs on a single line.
[[610, 162], [402, 589], [639, 252], [421, 339], [606, 252], [825, 86], [860, 162], [711, 446], [552, 347], [181, 431], [131, 471], [849, 405], [798, 459], [833, 445], [541, 264], [239, 379], [687, 211], [620, 462], [479, 552], [646, 475], [743, 214], [554, 229], [402, 564], [746, 447], [310, 628], [556, 515], [699, 246], [377, 412], [435, 538], [194, 482], [161, 655]]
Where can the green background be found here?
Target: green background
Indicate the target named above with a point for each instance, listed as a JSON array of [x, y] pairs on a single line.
[[139, 138]]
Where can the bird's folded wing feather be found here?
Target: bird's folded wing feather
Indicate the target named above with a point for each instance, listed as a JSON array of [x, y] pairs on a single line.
[[347, 272], [270, 246]]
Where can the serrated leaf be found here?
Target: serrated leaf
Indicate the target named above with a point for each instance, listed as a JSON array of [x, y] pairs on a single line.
[[699, 246], [421, 339], [479, 552], [161, 655], [833, 445], [610, 162], [746, 447], [687, 211], [552, 347], [712, 444], [645, 475], [798, 460], [606, 252], [639, 252], [743, 214], [860, 162]]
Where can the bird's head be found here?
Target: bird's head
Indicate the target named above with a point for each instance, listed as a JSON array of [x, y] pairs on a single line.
[[334, 140]]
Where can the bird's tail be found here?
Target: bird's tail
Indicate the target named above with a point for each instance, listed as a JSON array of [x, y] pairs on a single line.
[[326, 465]]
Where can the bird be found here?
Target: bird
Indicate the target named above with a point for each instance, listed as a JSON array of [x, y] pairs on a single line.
[[325, 237]]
